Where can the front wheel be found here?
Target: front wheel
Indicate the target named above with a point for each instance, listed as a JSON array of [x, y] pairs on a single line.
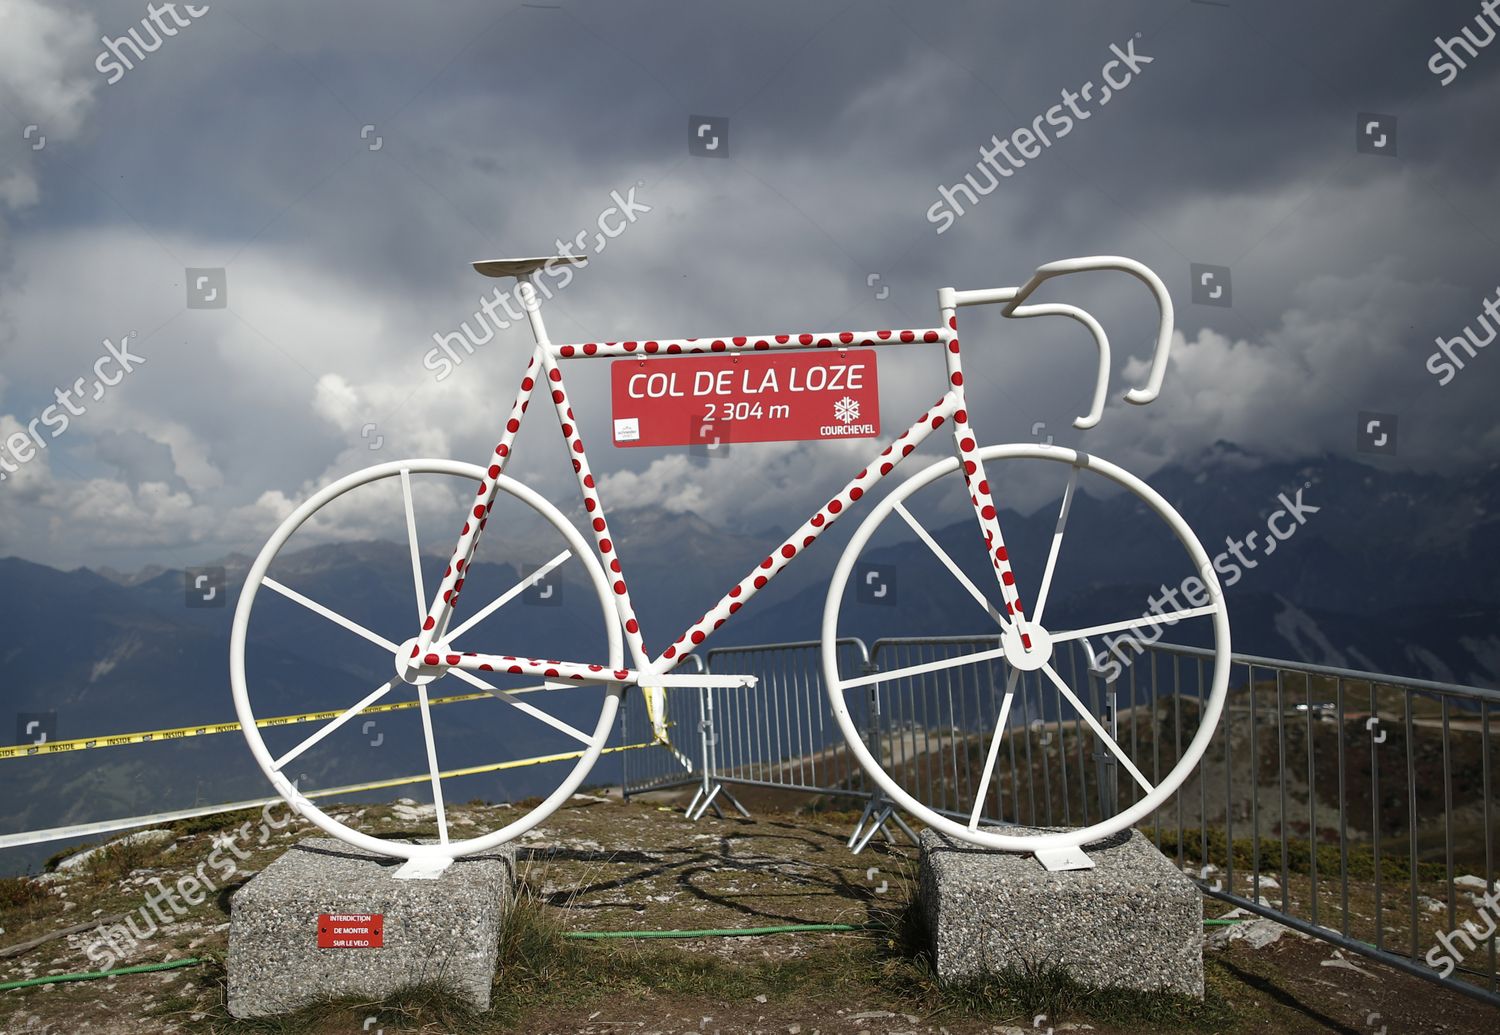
[[960, 682]]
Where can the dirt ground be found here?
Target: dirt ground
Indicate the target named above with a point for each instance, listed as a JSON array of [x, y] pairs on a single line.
[[604, 865]]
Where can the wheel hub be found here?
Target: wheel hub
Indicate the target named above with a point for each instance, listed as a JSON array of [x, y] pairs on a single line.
[[409, 664], [1022, 657]]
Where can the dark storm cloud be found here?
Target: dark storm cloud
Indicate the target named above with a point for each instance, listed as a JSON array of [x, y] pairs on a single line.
[[242, 142]]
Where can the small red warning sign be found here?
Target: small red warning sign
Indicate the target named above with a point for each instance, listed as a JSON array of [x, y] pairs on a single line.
[[351, 930]]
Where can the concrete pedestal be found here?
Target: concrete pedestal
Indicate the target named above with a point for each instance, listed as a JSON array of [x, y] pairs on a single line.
[[444, 931], [1133, 921]]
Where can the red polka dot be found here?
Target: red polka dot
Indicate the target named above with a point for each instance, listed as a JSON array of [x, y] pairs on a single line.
[[554, 375], [670, 652], [804, 339], [527, 383], [614, 566], [599, 525], [478, 512], [512, 425], [590, 504], [620, 588], [566, 350], [817, 520], [937, 422], [428, 624], [431, 659], [885, 468], [856, 492], [930, 336], [652, 346], [734, 607], [957, 378], [1007, 578], [953, 322], [739, 341], [966, 445], [567, 429], [768, 562], [1001, 554], [630, 346], [578, 445], [557, 396], [632, 626], [970, 467], [882, 335], [590, 349], [809, 541], [988, 513], [908, 336], [718, 345], [588, 481], [834, 506], [953, 345], [846, 337], [735, 591], [494, 471], [984, 487], [698, 636], [605, 546], [782, 339], [760, 580], [788, 550], [761, 344], [502, 449]]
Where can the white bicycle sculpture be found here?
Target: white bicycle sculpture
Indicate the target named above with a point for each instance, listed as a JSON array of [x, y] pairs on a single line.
[[436, 648]]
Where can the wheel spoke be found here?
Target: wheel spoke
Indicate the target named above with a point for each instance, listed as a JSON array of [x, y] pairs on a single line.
[[332, 616], [432, 766], [1057, 538], [930, 666], [1099, 731], [1144, 621], [948, 563], [508, 595], [535, 713], [411, 540], [994, 752], [335, 723]]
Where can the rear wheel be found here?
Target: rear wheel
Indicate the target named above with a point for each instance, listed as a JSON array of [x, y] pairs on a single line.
[[295, 653]]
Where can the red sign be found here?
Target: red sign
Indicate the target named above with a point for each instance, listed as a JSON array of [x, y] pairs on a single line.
[[351, 930], [764, 397]]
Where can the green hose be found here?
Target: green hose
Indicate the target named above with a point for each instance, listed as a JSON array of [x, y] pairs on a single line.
[[95, 975], [733, 932]]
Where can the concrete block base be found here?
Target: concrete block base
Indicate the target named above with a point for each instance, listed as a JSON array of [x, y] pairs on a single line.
[[1133, 921], [444, 931]]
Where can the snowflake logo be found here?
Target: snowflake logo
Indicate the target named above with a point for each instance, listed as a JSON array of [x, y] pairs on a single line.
[[846, 410]]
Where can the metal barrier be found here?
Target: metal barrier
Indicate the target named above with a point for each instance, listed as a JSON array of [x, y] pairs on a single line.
[[1351, 806]]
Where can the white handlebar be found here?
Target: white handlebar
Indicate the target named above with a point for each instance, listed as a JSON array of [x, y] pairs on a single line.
[[1152, 387]]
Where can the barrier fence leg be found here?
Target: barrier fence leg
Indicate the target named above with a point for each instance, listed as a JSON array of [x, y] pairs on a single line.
[[878, 810], [711, 788]]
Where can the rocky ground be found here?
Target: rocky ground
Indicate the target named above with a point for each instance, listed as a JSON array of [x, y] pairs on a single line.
[[604, 865]]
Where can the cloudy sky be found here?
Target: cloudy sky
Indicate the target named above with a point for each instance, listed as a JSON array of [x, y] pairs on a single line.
[[343, 162]]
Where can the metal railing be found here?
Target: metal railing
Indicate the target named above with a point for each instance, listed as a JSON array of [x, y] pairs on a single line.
[[1354, 806]]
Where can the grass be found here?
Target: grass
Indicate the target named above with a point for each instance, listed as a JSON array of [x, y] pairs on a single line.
[[23, 900], [1299, 851]]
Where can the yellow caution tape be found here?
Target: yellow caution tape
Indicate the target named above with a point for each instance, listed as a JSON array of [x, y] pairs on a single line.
[[56, 747]]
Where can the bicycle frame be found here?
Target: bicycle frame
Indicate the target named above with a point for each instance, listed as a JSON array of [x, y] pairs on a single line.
[[545, 370]]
